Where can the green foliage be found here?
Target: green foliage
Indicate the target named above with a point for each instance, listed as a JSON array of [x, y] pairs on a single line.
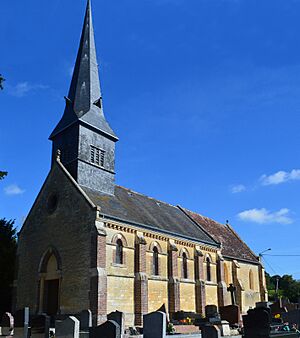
[[170, 328], [1, 82], [2, 174], [8, 249], [287, 287]]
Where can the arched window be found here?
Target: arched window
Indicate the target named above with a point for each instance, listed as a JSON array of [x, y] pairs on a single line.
[[208, 269], [184, 266], [119, 252], [155, 262], [251, 282]]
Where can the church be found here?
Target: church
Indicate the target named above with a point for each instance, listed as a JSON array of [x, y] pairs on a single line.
[[88, 243]]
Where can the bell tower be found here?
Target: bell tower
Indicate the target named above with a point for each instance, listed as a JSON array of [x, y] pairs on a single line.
[[84, 137]]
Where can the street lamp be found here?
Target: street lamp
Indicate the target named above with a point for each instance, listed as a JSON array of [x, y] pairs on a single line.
[[261, 253]]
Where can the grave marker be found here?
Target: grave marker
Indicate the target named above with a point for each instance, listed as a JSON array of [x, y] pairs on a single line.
[[155, 325], [109, 329], [7, 324], [231, 313], [210, 331], [68, 328], [26, 323], [85, 319], [119, 318]]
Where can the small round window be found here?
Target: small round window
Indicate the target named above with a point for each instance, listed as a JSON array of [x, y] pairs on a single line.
[[52, 203]]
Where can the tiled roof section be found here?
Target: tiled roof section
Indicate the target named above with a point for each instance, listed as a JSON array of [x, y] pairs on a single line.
[[136, 208], [232, 245]]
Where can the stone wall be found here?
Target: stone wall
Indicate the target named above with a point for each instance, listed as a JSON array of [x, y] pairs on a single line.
[[67, 229]]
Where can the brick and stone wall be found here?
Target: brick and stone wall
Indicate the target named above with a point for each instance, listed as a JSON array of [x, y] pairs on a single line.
[[91, 278]]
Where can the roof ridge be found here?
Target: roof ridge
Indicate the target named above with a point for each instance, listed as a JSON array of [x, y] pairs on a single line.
[[205, 217]]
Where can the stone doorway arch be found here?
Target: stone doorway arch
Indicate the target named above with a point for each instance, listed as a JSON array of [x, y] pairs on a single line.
[[50, 282]]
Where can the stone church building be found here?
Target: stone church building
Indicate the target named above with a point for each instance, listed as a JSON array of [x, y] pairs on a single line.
[[88, 243]]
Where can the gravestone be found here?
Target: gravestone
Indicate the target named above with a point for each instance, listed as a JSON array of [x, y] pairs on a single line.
[[85, 318], [277, 307], [40, 324], [26, 322], [224, 328], [210, 331], [231, 313], [292, 317], [119, 318], [211, 314], [261, 304], [68, 328], [109, 329], [164, 309], [155, 325], [257, 323], [7, 324], [19, 318]]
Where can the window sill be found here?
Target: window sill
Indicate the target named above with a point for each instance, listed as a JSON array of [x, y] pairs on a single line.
[[186, 280], [211, 283], [156, 277], [116, 265]]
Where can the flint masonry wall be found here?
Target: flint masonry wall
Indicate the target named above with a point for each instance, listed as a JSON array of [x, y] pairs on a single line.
[[68, 230]]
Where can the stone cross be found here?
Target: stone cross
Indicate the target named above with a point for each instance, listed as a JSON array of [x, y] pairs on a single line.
[[232, 290]]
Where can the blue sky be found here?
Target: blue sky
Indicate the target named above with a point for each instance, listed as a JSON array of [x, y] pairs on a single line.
[[203, 94]]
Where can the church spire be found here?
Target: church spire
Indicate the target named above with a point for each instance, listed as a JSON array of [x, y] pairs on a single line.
[[84, 100], [85, 139]]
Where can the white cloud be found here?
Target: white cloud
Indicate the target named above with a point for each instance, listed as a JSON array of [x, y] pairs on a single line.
[[280, 177], [263, 216], [13, 189], [23, 88], [237, 188]]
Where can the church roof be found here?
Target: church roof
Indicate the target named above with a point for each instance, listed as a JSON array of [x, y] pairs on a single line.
[[232, 245], [137, 209], [84, 101], [132, 207]]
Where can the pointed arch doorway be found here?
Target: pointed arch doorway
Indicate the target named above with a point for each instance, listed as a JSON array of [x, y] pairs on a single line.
[[50, 282]]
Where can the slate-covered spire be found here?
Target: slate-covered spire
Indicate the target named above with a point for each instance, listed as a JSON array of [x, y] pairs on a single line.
[[84, 101]]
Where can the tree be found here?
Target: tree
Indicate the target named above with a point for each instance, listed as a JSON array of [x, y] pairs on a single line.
[[2, 174], [287, 287], [8, 250], [1, 82]]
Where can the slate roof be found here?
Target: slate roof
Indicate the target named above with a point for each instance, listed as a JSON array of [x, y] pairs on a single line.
[[139, 209], [232, 244], [84, 101], [132, 207]]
